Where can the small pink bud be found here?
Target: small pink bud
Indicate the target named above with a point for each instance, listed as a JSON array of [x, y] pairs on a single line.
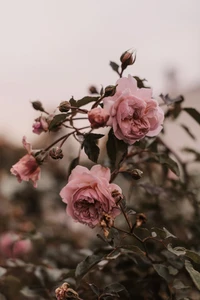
[[98, 117], [128, 58], [40, 125]]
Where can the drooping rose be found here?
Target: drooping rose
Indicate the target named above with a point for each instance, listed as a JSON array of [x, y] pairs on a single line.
[[133, 112], [40, 125], [98, 117], [88, 195], [12, 246], [27, 168]]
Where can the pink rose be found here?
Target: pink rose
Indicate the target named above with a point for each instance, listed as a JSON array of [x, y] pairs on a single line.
[[40, 125], [98, 117], [27, 168], [133, 113], [88, 195], [13, 247]]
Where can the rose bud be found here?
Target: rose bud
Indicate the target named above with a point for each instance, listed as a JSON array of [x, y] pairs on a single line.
[[64, 106], [27, 168], [93, 89], [40, 125], [136, 174], [56, 153], [140, 219], [37, 105], [98, 117], [110, 90], [128, 58]]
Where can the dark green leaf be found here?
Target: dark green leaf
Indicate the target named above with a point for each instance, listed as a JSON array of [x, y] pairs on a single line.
[[57, 121], [168, 100], [86, 100], [116, 288], [73, 164], [188, 131], [95, 289], [195, 275], [166, 160], [116, 149], [114, 66], [162, 271], [140, 82], [134, 249], [93, 136], [72, 101], [91, 150], [193, 255], [86, 265], [193, 113], [162, 233]]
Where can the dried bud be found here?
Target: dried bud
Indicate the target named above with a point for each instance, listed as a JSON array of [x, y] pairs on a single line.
[[56, 153], [140, 219], [64, 106], [93, 89], [106, 223], [37, 105], [128, 58], [117, 196], [40, 125], [98, 117], [64, 292], [136, 174], [110, 90]]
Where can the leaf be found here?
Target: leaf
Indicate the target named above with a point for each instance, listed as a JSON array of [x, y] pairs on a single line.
[[85, 100], [116, 149], [114, 66], [168, 100], [90, 146], [162, 271], [140, 82], [195, 275], [169, 162], [188, 131], [57, 121], [168, 234], [193, 113], [134, 249], [193, 255], [179, 285], [73, 164], [86, 265], [95, 289], [176, 250], [116, 288], [162, 233]]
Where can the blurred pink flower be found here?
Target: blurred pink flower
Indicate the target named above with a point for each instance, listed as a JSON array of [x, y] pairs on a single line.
[[11, 246], [27, 168], [98, 117], [88, 195], [40, 125], [133, 112]]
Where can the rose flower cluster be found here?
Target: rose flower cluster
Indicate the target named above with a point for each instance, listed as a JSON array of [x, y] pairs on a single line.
[[132, 114]]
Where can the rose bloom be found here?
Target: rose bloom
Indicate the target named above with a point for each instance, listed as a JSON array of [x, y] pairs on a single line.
[[27, 168], [98, 117], [40, 125], [11, 246], [88, 195], [133, 112]]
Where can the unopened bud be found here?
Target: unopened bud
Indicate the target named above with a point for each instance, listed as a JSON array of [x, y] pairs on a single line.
[[98, 117], [93, 89], [136, 174], [56, 153], [140, 219], [128, 58], [110, 90], [37, 105], [106, 223], [64, 106]]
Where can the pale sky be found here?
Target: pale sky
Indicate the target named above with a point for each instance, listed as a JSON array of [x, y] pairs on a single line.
[[53, 49]]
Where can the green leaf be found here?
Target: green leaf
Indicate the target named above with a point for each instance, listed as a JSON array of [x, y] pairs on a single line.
[[116, 149], [57, 121], [193, 255], [86, 265], [195, 275], [114, 66], [140, 82], [85, 100], [95, 289], [188, 131], [90, 146], [193, 113], [169, 162], [162, 233], [168, 100], [176, 250], [134, 249], [162, 271], [73, 164]]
